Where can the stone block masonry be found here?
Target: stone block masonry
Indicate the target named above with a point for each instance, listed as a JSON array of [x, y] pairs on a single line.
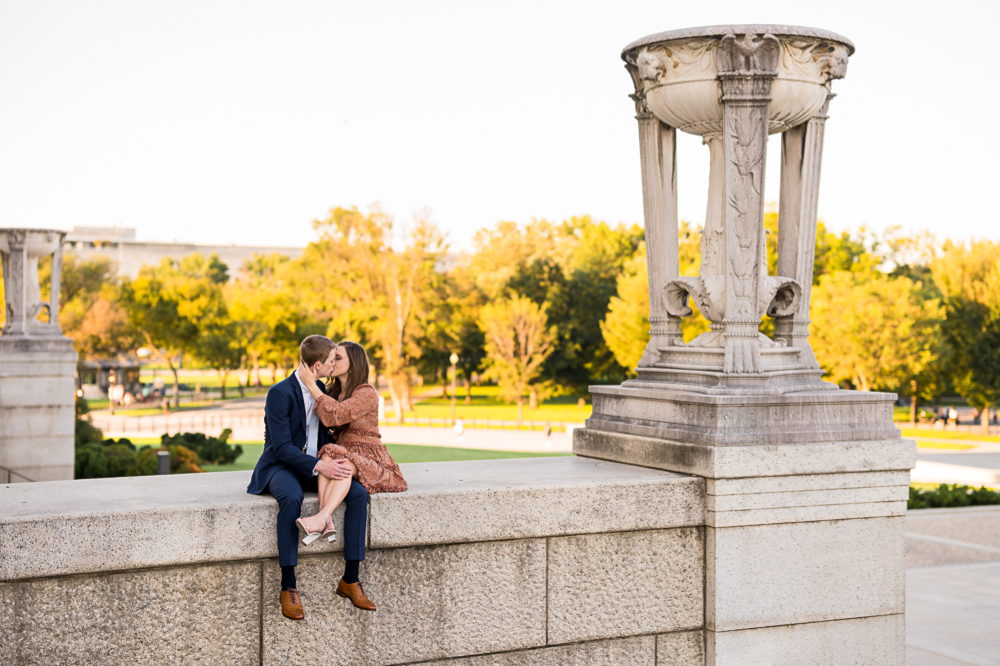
[[510, 562]]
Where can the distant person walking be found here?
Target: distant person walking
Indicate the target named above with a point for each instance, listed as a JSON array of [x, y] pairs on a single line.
[[349, 407], [953, 415]]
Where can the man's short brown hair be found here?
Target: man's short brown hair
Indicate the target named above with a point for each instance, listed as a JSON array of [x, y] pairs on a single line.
[[316, 349]]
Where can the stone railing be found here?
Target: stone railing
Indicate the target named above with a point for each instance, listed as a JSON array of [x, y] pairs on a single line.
[[540, 561]]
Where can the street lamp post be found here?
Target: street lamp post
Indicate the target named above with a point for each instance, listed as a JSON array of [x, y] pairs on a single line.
[[454, 374]]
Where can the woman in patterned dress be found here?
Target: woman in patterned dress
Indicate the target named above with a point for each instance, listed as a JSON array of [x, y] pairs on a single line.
[[350, 409]]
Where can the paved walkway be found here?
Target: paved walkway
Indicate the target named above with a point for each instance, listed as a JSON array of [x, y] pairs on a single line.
[[953, 587]]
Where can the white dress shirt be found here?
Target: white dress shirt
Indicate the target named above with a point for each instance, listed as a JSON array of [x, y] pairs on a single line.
[[312, 420]]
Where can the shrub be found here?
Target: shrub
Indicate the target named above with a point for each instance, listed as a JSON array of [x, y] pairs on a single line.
[[951, 496], [85, 432], [182, 460], [213, 450], [101, 460]]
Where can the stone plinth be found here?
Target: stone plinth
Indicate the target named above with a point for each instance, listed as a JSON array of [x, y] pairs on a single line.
[[36, 408], [804, 543]]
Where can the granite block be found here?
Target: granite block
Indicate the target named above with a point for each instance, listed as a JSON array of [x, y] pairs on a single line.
[[202, 614], [807, 498], [771, 575], [639, 651], [433, 603], [682, 648], [455, 502], [734, 462], [804, 514], [36, 390], [725, 420], [869, 641], [625, 584], [784, 484], [28, 421], [39, 450]]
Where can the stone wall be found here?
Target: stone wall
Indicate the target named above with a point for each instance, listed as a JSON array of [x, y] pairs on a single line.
[[542, 561]]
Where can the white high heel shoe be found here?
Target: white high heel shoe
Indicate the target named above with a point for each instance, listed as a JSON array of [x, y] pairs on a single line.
[[309, 536], [330, 532]]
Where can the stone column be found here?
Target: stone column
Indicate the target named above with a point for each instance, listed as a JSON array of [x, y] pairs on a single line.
[[658, 157], [801, 158], [747, 68]]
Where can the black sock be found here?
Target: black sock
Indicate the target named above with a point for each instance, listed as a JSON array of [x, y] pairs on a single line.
[[287, 578], [351, 571]]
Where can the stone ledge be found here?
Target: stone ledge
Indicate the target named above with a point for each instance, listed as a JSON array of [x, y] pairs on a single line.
[[456, 502], [106, 525], [734, 462]]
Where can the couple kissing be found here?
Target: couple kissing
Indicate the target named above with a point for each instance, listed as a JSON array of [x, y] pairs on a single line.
[[324, 438]]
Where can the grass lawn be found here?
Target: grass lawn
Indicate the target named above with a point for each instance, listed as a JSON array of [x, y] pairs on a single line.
[[487, 405], [401, 453]]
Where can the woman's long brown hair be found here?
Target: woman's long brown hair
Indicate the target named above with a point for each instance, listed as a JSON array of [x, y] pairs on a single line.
[[357, 375]]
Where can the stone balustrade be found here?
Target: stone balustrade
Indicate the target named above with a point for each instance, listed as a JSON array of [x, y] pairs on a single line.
[[537, 561]]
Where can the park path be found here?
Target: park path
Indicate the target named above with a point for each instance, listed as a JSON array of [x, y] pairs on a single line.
[[953, 587], [244, 417]]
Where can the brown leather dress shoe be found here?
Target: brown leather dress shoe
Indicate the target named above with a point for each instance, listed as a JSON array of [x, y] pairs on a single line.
[[291, 605], [356, 594]]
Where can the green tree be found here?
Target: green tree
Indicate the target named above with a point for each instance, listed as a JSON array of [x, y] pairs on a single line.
[[269, 315], [873, 330], [626, 326], [969, 279], [171, 303], [518, 340], [90, 309], [572, 268], [374, 281]]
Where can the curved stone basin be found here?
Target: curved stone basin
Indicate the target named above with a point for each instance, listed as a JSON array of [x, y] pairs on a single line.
[[680, 82]]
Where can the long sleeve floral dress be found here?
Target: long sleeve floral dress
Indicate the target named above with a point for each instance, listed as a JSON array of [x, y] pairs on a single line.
[[361, 443]]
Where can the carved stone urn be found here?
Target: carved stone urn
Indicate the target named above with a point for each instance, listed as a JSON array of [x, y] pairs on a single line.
[[734, 85], [20, 250]]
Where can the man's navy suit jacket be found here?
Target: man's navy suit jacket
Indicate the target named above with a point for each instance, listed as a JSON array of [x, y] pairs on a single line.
[[284, 435]]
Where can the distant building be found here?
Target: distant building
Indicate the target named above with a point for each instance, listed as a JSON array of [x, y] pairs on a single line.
[[95, 376], [120, 246]]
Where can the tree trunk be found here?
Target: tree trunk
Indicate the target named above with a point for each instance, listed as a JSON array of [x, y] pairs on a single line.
[[177, 385], [533, 399], [272, 368], [397, 406], [444, 383], [468, 391], [984, 421], [913, 404], [520, 410], [223, 377], [256, 370], [404, 392]]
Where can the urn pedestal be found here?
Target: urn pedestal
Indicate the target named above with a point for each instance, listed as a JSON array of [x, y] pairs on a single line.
[[37, 365], [806, 483]]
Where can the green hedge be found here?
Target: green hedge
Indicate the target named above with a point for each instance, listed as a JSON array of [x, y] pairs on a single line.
[[949, 496], [99, 458]]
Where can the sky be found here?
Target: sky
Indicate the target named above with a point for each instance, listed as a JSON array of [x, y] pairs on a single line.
[[242, 122]]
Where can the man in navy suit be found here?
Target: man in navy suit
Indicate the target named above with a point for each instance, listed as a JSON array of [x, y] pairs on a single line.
[[289, 466]]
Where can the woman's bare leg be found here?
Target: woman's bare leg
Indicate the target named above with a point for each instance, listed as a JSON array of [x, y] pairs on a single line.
[[331, 493]]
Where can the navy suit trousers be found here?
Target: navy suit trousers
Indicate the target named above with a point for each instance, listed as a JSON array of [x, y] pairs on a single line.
[[288, 486]]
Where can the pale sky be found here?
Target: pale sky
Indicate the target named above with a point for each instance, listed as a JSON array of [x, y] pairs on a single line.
[[241, 122]]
